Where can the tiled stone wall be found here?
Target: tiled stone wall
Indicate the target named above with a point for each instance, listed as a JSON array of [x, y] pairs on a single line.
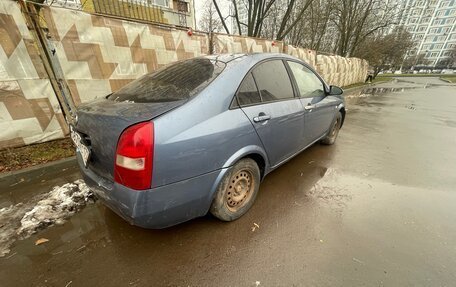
[[238, 44], [29, 110], [98, 55], [340, 71], [335, 70], [309, 56]]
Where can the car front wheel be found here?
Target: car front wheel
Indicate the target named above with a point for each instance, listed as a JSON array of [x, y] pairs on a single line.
[[334, 132], [237, 190]]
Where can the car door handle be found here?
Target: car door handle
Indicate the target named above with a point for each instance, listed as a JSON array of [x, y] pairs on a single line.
[[310, 107], [261, 118]]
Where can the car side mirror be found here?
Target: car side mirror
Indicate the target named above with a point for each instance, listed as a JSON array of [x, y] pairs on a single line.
[[335, 91]]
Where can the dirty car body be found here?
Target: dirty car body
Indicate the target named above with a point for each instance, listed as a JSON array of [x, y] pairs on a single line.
[[202, 115]]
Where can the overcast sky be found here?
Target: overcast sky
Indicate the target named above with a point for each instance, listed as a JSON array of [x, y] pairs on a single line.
[[199, 8]]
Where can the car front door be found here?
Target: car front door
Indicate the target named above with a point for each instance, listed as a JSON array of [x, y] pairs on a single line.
[[319, 108], [266, 96]]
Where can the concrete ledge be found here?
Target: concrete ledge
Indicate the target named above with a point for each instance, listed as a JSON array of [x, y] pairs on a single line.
[[28, 174]]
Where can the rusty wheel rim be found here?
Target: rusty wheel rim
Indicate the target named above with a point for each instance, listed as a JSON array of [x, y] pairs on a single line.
[[240, 189]]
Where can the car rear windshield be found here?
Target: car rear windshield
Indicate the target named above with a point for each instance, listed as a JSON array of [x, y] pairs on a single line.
[[179, 81]]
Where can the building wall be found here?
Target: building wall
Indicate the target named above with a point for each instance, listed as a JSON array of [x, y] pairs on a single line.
[[433, 26]]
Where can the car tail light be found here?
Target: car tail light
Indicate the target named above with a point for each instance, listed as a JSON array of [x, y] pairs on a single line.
[[134, 156]]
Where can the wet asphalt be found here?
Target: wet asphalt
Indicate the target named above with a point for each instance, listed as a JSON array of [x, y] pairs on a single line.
[[376, 209]]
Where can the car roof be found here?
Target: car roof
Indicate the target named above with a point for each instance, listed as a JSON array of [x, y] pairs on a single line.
[[226, 58]]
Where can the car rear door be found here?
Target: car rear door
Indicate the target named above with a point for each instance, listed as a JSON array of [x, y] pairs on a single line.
[[267, 98], [319, 109]]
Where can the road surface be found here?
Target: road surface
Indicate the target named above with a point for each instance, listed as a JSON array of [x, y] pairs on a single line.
[[376, 209]]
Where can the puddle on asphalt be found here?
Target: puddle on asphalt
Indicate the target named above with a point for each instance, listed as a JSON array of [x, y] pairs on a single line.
[[359, 98], [377, 91]]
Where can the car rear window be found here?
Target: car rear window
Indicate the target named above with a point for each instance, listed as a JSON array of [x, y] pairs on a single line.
[[179, 81]]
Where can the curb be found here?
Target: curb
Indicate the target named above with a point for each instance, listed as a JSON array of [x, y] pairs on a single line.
[[445, 80], [28, 174]]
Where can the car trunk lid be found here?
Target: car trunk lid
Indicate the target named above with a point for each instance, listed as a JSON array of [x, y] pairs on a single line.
[[101, 123]]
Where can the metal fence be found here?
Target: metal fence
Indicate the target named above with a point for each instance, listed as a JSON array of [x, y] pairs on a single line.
[[133, 9]]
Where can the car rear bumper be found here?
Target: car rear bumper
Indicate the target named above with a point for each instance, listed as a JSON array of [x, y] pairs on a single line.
[[158, 207]]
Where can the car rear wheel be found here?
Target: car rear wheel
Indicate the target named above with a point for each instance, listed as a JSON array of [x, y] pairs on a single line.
[[237, 191], [334, 132]]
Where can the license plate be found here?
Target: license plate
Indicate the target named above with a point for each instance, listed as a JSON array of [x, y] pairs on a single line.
[[80, 147]]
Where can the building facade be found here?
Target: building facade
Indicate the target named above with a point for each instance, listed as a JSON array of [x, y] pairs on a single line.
[[432, 24], [174, 12]]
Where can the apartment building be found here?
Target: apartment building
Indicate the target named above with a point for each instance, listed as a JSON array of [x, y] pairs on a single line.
[[433, 26], [174, 12]]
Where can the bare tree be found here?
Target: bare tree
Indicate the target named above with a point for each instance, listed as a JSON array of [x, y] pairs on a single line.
[[358, 19], [290, 19], [386, 51], [259, 10], [314, 29], [270, 25], [222, 20], [210, 22], [336, 26], [333, 26]]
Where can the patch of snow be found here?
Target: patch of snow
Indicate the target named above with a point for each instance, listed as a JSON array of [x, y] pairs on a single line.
[[9, 222], [60, 203], [22, 220]]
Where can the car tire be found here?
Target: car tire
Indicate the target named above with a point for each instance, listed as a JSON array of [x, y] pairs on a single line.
[[237, 190], [334, 131]]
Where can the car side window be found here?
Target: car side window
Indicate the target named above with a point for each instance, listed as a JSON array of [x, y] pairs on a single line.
[[309, 85], [248, 93], [273, 81]]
